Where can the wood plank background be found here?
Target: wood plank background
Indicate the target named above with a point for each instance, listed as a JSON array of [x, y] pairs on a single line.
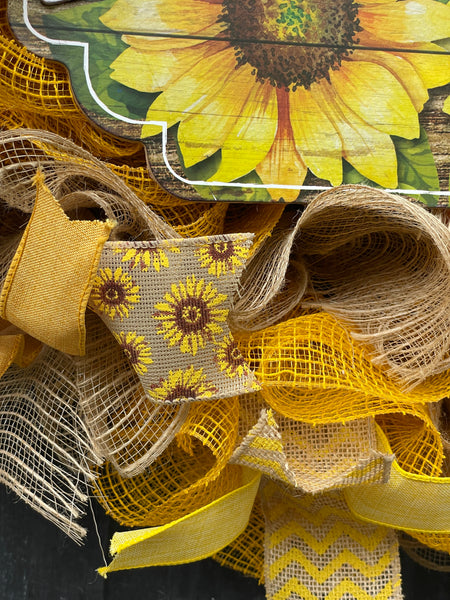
[[38, 562]]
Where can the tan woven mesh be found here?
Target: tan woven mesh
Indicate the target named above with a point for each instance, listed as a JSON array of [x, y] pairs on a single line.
[[312, 370], [424, 555], [246, 553], [361, 247], [124, 427], [45, 457], [190, 473]]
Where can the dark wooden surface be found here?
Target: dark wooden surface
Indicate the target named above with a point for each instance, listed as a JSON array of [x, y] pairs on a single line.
[[38, 562]]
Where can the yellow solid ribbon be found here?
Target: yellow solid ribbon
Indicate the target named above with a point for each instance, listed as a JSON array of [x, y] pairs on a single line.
[[193, 537], [50, 278], [407, 501]]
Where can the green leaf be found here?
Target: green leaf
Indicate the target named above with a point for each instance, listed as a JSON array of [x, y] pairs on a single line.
[[416, 167], [82, 23]]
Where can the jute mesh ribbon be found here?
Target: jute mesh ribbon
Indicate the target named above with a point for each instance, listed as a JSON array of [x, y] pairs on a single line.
[[124, 426], [45, 455], [190, 473]]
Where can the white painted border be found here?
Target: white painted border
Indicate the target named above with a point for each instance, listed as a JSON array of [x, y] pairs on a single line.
[[163, 125]]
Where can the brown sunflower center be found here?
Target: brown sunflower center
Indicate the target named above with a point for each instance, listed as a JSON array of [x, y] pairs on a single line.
[[221, 250], [113, 293], [181, 391], [192, 315], [234, 355], [131, 353], [291, 43]]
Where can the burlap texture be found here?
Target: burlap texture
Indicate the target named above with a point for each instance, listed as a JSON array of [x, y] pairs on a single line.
[[423, 555], [45, 456], [315, 549], [190, 473], [312, 370], [314, 458], [124, 426], [167, 304], [35, 296]]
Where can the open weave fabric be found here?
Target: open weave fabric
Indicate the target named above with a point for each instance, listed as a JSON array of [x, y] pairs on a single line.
[[124, 426], [312, 369], [167, 304], [190, 473], [424, 555], [315, 549], [45, 456], [314, 458]]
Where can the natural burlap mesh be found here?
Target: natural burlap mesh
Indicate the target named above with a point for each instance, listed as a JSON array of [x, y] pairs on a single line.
[[45, 457], [75, 178], [314, 458], [315, 549], [268, 293], [424, 555], [382, 264], [124, 427], [312, 370], [246, 553], [190, 473]]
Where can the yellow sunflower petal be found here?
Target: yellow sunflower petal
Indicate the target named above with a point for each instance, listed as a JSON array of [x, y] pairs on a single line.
[[433, 69], [370, 151], [189, 94], [401, 69], [376, 96], [162, 16], [283, 165], [251, 136], [315, 137], [151, 71], [203, 134], [446, 107], [406, 21]]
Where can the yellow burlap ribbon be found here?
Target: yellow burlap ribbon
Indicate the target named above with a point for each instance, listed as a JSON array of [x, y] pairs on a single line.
[[50, 278], [193, 537], [407, 501]]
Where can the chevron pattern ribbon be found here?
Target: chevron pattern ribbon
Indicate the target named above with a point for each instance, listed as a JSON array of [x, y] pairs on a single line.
[[316, 550]]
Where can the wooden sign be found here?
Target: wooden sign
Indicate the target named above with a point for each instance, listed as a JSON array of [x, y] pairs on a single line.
[[260, 100]]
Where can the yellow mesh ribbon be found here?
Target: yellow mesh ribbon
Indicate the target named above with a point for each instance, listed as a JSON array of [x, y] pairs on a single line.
[[36, 296], [190, 473], [408, 501], [312, 370], [193, 537]]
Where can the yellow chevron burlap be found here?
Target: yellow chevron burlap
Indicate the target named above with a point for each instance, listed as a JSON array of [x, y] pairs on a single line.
[[314, 458], [316, 550]]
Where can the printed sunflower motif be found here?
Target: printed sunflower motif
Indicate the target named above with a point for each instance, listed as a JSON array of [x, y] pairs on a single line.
[[191, 314], [338, 80], [230, 360], [114, 294], [146, 256], [183, 385], [222, 257], [136, 350]]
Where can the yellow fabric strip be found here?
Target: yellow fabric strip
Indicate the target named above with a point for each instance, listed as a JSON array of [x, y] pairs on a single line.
[[10, 347], [51, 275], [193, 537], [408, 501]]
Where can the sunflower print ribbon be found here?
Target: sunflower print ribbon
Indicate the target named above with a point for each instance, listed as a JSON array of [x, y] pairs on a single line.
[[167, 304]]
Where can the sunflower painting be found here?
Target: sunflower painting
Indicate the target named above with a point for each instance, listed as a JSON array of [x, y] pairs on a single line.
[[260, 99]]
